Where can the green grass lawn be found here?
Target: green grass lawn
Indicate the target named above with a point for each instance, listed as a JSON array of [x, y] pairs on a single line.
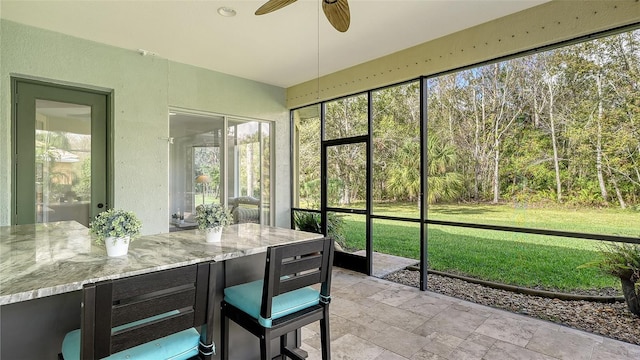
[[518, 259]]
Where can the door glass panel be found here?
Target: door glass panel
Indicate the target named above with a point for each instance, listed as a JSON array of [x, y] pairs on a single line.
[[306, 149], [265, 163], [63, 161], [346, 176], [195, 166], [396, 157], [206, 174], [351, 232], [346, 117], [248, 171]]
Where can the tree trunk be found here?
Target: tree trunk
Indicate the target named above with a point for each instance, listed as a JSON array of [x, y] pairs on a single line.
[[346, 195], [496, 169], [476, 152], [603, 188], [536, 108], [554, 142], [621, 201], [249, 167], [636, 167], [631, 296]]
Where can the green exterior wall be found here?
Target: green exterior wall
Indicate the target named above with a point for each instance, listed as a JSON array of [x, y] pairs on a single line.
[[143, 88]]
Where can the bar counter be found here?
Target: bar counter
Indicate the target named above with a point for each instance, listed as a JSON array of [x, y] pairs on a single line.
[[53, 258], [44, 266]]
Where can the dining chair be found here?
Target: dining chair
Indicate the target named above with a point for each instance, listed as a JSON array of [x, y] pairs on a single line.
[[148, 316], [285, 300]]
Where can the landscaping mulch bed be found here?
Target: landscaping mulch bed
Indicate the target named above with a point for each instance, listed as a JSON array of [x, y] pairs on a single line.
[[613, 320]]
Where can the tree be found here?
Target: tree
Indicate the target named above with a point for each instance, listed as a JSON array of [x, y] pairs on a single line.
[[443, 182], [307, 134], [396, 120]]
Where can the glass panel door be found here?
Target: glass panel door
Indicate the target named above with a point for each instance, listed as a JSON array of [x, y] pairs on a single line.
[[195, 166], [63, 161], [346, 201], [61, 145], [214, 159]]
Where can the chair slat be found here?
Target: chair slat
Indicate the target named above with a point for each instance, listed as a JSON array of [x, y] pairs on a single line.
[[134, 311], [148, 283], [302, 264], [299, 249], [141, 334], [298, 282]]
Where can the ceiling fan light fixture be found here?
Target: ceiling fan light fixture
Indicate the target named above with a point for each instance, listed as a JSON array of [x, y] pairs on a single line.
[[226, 11], [336, 11]]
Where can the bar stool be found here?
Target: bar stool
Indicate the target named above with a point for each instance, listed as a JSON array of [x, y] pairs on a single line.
[[149, 316], [284, 300]]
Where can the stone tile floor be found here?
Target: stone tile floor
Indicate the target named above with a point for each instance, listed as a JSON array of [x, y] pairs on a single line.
[[374, 319]]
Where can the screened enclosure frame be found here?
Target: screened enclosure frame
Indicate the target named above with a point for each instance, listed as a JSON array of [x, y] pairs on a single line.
[[365, 264]]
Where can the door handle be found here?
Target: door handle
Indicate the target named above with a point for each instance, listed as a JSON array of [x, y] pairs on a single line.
[[100, 205]]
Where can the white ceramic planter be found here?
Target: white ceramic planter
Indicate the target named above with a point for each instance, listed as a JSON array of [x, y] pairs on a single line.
[[213, 235], [117, 246]]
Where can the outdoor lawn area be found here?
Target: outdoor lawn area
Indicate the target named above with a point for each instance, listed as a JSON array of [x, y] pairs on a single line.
[[518, 259]]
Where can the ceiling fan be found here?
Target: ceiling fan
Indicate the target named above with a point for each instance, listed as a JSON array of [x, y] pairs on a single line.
[[336, 11]]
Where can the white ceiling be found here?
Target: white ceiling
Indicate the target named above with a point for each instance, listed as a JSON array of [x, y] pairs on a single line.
[[284, 48]]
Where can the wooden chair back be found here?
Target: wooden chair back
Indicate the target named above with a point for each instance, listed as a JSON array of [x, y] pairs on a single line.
[[176, 297], [294, 266]]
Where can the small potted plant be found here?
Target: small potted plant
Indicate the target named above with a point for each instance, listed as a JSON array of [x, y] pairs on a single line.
[[116, 228], [212, 218], [622, 260]]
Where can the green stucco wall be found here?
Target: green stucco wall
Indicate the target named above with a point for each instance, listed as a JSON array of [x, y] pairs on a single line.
[[143, 88]]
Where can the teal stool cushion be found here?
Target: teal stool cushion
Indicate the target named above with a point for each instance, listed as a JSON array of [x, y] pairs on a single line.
[[181, 345], [248, 298]]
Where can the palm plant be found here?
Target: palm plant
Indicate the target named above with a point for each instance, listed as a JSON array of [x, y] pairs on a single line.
[[623, 261], [443, 181]]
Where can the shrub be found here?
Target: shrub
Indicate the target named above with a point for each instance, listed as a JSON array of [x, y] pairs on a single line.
[[622, 261], [312, 222]]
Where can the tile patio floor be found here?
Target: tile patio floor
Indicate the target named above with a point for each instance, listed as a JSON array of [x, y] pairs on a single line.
[[374, 319]]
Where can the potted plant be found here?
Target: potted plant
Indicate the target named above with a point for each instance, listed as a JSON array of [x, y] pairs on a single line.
[[622, 260], [116, 228], [212, 218]]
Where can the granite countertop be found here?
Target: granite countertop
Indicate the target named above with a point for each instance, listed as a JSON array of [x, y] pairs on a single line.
[[53, 258]]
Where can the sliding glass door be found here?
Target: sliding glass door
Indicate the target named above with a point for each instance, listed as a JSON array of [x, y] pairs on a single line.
[[218, 159]]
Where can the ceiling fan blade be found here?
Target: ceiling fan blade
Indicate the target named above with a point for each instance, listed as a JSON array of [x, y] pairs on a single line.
[[273, 5], [337, 12]]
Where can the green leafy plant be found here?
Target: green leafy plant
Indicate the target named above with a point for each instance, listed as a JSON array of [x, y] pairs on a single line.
[[307, 221], [622, 260], [619, 259], [312, 222], [213, 216], [115, 223]]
